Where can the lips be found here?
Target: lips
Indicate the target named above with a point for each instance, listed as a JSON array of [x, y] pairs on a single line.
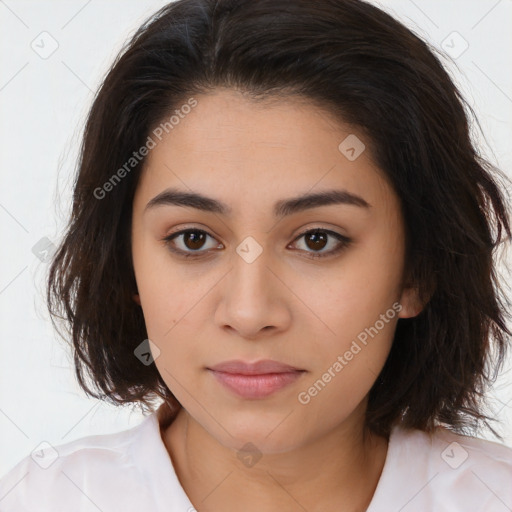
[[257, 368], [255, 380]]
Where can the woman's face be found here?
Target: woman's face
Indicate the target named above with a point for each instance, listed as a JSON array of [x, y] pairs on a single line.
[[252, 289]]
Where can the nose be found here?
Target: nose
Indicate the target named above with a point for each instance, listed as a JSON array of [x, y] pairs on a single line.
[[254, 301]]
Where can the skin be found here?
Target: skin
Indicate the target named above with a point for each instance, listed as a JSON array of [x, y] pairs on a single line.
[[284, 305]]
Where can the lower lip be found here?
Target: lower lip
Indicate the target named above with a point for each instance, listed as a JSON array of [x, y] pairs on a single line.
[[256, 386]]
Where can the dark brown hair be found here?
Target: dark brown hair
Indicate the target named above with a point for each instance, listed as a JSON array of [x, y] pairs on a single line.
[[370, 71]]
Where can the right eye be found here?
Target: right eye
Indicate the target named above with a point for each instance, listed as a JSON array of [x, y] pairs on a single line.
[[190, 240]]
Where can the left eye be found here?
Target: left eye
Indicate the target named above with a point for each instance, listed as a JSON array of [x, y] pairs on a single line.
[[192, 240], [317, 239]]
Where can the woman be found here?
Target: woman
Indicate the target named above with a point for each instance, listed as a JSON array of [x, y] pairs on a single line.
[[283, 237]]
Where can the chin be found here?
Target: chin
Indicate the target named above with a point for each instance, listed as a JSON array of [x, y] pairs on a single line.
[[259, 436]]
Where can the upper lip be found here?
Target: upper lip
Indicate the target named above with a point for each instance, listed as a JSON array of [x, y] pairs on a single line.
[[257, 368]]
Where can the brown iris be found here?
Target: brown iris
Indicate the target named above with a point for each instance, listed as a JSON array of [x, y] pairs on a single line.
[[195, 238], [316, 240]]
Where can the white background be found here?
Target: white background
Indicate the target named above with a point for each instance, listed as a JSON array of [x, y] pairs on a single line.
[[43, 103]]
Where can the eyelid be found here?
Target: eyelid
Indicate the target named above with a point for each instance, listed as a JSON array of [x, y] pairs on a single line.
[[322, 229]]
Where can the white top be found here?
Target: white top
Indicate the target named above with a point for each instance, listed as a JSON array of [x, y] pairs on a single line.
[[132, 471]]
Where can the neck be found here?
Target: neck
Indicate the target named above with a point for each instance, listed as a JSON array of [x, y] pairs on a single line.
[[338, 471]]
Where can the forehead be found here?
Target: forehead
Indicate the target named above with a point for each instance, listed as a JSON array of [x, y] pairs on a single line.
[[244, 151]]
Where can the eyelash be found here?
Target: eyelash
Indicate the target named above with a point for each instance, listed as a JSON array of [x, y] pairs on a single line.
[[344, 243]]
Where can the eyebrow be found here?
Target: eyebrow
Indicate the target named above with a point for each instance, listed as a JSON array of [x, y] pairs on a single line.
[[282, 208]]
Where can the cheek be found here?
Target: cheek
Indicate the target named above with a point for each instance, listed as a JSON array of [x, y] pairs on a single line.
[[175, 307], [166, 292], [356, 290], [345, 366], [357, 309]]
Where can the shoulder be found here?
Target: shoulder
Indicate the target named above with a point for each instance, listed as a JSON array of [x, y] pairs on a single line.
[[461, 454], [448, 471], [86, 472]]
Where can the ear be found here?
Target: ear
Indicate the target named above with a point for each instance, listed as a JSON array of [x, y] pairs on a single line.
[[136, 298], [410, 302]]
